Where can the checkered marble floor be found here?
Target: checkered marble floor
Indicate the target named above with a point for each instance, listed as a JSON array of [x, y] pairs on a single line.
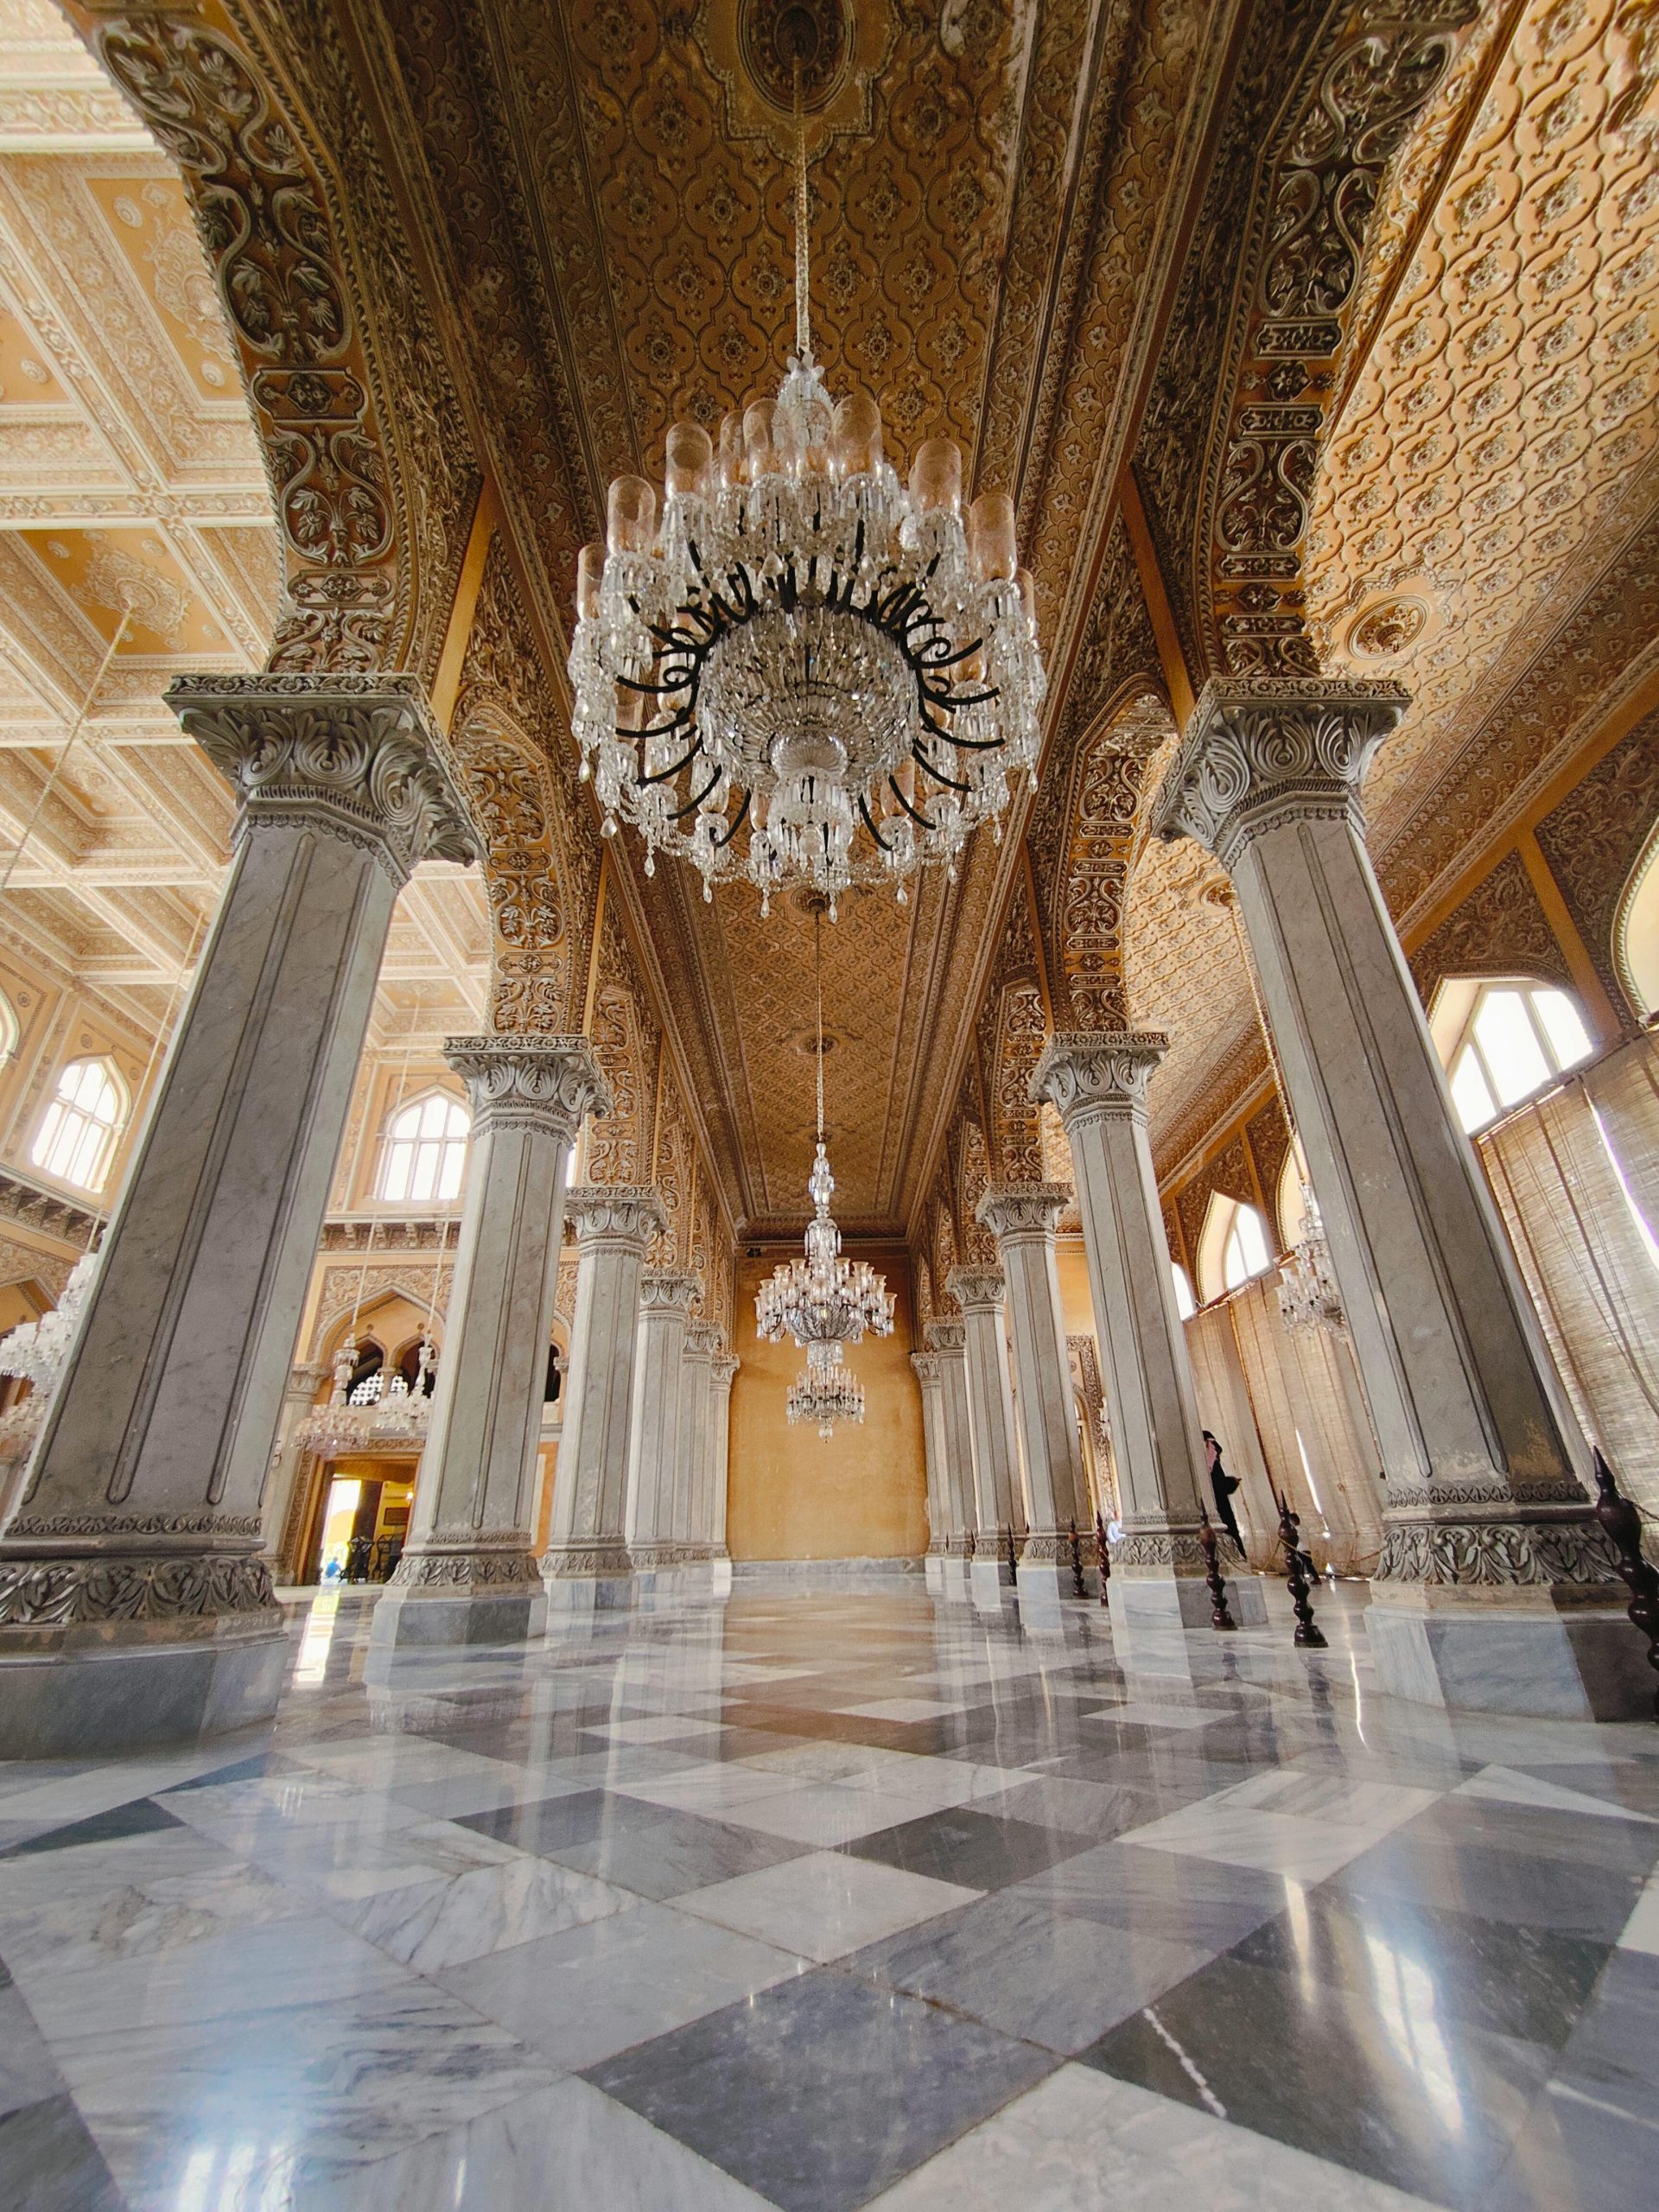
[[831, 1897]]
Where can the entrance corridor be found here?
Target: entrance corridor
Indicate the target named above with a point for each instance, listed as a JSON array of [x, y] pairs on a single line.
[[832, 1897]]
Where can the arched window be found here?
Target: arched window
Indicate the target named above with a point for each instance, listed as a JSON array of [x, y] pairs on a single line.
[[1186, 1305], [425, 1153], [1500, 1042], [77, 1131], [1234, 1247], [1635, 937], [10, 1029]]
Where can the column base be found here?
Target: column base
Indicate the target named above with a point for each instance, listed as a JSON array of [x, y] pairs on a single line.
[[933, 1571], [990, 1581], [1182, 1600], [1504, 1652], [578, 1597], [721, 1566], [121, 1687]]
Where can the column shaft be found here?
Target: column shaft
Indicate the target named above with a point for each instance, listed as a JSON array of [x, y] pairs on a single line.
[[721, 1368], [139, 1525], [930, 1383], [695, 1505], [587, 1562], [654, 1453], [979, 1291], [467, 1574]]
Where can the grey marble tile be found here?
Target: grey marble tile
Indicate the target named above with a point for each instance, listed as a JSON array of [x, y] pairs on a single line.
[[1577, 2153], [1427, 1866], [1017, 1965], [599, 1989], [965, 1846], [50, 2162], [28, 2072], [141, 1816], [1402, 2093], [819, 2092], [1093, 1810], [825, 1904], [430, 1924], [675, 1852]]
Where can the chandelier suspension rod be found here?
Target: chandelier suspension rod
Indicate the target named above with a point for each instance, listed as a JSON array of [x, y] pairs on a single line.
[[803, 227], [57, 766], [818, 977]]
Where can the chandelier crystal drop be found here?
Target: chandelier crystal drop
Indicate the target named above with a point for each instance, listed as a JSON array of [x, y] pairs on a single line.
[[38, 1351], [803, 670], [822, 1300]]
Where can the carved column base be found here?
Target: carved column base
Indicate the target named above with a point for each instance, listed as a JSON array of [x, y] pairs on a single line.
[[1505, 1608], [1158, 1582], [480, 1587], [581, 1579]]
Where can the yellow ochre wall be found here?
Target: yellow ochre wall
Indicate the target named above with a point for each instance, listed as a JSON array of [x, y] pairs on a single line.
[[860, 1494], [1076, 1304]]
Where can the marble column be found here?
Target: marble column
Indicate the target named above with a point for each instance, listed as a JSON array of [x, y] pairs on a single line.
[[948, 1339], [290, 1468], [721, 1368], [979, 1292], [468, 1574], [694, 1505], [1097, 1081], [654, 1453], [1495, 1586], [1023, 1217], [586, 1566], [931, 1383], [133, 1606]]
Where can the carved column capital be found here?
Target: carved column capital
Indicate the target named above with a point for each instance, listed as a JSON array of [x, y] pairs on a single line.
[[666, 1290], [548, 1084], [944, 1335], [929, 1371], [1098, 1070], [357, 755], [1016, 1210], [614, 1216], [977, 1289], [721, 1368], [1263, 750], [702, 1340]]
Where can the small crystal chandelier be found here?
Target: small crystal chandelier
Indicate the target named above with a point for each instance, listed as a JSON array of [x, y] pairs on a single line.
[[37, 1350], [826, 1394], [823, 1300], [373, 1413], [804, 671]]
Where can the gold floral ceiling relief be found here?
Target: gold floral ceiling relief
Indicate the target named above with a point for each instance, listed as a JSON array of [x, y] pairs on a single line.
[[1511, 387]]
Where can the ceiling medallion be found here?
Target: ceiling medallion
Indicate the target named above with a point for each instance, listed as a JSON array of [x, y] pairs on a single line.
[[824, 1302], [804, 671]]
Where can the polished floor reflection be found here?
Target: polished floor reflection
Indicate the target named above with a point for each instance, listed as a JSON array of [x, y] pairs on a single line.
[[822, 1899]]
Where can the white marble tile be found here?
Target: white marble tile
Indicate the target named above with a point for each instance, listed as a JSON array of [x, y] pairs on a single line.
[[1641, 1931], [1376, 1807], [431, 1924], [1083, 2142], [63, 1919], [710, 1788], [566, 2146], [825, 1905], [584, 1995], [388, 1762], [901, 1708], [824, 1813], [1146, 1712], [1276, 1843], [665, 1728], [1505, 1786]]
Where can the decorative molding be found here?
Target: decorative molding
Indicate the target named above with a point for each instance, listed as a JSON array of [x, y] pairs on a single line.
[[360, 758], [1570, 1548], [929, 1371], [1014, 1211], [545, 1085], [946, 1337], [583, 1562], [62, 1592], [33, 1206], [482, 1559], [978, 1290]]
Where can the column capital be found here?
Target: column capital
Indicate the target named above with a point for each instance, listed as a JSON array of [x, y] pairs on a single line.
[[702, 1340], [358, 755], [977, 1289], [1016, 1210], [944, 1335], [614, 1216], [1098, 1070], [1263, 750], [721, 1368], [929, 1371], [548, 1084], [666, 1290]]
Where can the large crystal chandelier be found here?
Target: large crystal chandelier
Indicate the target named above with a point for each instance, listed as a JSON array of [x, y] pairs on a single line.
[[826, 1394], [823, 1300], [36, 1351], [804, 670]]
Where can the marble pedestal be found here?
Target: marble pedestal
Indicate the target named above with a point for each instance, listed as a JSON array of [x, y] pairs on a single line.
[[155, 1682], [933, 1569], [1509, 1655], [990, 1582], [419, 1616], [573, 1597], [1182, 1600]]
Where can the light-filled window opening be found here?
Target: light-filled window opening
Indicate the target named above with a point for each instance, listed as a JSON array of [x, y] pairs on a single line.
[[1247, 1252], [77, 1136], [425, 1154], [1186, 1305], [1637, 935], [1514, 1040], [10, 1029]]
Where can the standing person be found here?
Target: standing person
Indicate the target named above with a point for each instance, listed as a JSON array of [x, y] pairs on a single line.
[[1223, 1485]]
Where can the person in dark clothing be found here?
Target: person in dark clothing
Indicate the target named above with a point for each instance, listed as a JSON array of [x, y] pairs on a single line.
[[1223, 1485]]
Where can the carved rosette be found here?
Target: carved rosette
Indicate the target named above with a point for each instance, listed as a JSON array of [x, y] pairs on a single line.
[[356, 755], [545, 1085], [615, 1217], [928, 1368], [1562, 1549], [457, 1562], [721, 1368], [1263, 751], [667, 1290], [1086, 1072], [1022, 1212], [978, 1290], [946, 1336]]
